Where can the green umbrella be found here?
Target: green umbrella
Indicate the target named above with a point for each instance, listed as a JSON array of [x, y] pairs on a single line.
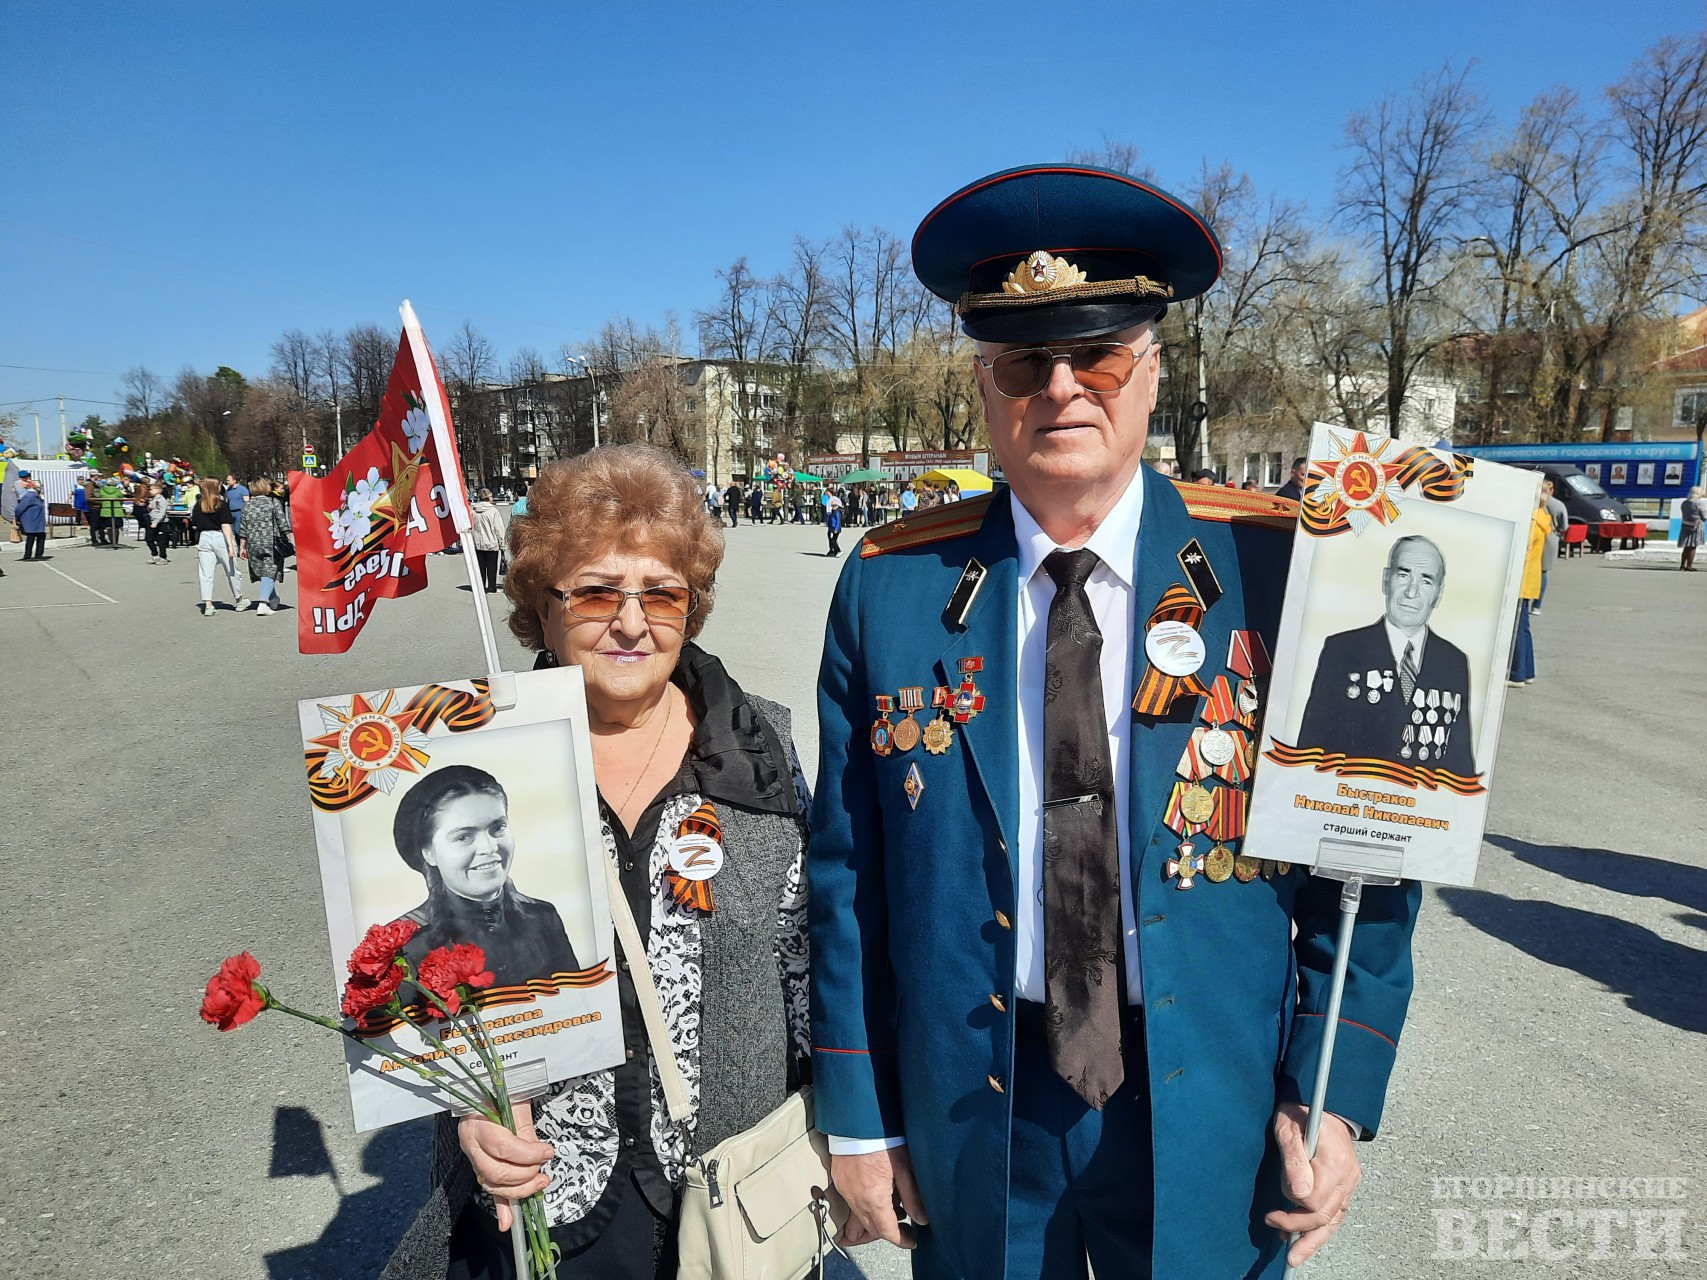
[[805, 478], [867, 476]]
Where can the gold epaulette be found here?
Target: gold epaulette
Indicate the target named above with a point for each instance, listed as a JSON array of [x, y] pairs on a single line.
[[935, 524], [1237, 506]]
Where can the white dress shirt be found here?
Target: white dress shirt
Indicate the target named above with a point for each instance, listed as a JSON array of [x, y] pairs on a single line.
[[1113, 601], [1397, 640]]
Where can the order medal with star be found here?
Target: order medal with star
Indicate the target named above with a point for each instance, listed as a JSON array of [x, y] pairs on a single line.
[[372, 740]]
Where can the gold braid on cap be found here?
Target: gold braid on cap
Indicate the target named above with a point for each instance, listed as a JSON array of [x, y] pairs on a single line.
[[1042, 277]]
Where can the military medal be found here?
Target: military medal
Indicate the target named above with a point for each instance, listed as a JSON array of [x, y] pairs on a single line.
[[1246, 697], [1237, 767], [882, 731], [1216, 746], [1218, 707], [1175, 815], [1192, 764], [906, 735], [1186, 866], [694, 854], [1226, 820], [1247, 656], [1197, 805], [968, 702], [939, 733], [1352, 690], [1245, 869], [1218, 864], [913, 784], [1405, 740]]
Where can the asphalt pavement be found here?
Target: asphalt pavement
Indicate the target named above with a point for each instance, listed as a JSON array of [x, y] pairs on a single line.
[[155, 822]]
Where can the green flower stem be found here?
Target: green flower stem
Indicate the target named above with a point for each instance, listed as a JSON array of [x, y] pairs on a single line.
[[530, 1213], [460, 1064], [435, 1078]]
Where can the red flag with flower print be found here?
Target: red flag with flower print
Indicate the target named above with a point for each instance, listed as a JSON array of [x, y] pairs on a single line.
[[363, 531]]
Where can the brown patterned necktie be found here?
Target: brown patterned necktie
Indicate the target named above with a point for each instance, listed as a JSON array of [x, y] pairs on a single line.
[[1081, 852]]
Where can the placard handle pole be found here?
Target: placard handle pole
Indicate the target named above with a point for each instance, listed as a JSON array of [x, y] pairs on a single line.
[[1355, 865], [502, 684]]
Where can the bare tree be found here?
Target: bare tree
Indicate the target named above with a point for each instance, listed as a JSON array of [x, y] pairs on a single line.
[[1653, 249], [331, 365], [295, 363], [368, 356], [651, 401], [1407, 192], [737, 330], [867, 293], [468, 364], [799, 321], [268, 429], [142, 392], [1122, 157]]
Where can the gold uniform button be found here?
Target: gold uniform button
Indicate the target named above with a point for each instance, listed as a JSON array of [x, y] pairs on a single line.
[[1001, 1006], [1002, 920], [996, 1084]]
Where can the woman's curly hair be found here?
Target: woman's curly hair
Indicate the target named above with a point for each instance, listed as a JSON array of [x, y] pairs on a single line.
[[630, 498]]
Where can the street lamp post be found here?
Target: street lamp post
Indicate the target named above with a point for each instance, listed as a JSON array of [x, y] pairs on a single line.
[[593, 379]]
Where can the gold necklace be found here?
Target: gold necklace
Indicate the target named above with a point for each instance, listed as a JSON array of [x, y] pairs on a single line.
[[669, 714]]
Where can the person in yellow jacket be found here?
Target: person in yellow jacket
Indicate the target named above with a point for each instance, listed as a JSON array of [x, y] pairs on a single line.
[[1523, 645]]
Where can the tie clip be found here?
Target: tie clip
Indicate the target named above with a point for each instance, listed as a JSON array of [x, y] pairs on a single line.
[[1066, 800]]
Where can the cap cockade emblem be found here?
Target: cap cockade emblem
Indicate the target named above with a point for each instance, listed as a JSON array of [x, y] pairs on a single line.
[[1042, 272]]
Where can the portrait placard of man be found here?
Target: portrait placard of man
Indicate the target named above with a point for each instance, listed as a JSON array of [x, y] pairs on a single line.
[[1396, 689]]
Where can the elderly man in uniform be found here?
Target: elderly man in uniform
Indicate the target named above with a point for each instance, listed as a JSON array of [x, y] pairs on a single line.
[[1396, 690], [1060, 1019]]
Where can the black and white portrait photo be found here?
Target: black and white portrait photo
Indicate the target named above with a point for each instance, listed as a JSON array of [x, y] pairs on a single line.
[[453, 828], [1396, 689]]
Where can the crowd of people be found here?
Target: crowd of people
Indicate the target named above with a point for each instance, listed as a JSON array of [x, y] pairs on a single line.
[[231, 526], [865, 505]]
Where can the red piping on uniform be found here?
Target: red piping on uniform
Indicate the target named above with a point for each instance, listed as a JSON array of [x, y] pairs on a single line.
[[1089, 173], [1348, 1022]]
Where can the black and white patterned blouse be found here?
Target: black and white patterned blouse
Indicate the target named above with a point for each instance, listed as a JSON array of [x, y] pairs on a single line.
[[610, 1132]]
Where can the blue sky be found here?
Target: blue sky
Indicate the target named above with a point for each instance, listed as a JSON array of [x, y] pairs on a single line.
[[179, 183]]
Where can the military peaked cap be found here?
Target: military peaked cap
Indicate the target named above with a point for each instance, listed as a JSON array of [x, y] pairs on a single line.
[[1051, 252]]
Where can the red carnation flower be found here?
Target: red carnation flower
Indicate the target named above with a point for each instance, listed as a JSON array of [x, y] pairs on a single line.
[[444, 969], [377, 952], [232, 997], [362, 995]]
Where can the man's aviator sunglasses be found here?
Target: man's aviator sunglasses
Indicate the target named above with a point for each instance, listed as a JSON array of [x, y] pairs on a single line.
[[601, 603], [1099, 367]]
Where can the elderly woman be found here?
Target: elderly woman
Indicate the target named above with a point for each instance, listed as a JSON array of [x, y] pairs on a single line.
[[1689, 535], [613, 571], [453, 829]]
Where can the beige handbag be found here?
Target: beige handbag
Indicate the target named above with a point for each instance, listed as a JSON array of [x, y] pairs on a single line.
[[758, 1205]]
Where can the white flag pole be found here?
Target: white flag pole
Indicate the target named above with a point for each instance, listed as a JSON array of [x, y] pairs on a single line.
[[503, 683]]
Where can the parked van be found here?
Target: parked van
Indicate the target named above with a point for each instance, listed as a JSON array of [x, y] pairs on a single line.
[[1585, 501]]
